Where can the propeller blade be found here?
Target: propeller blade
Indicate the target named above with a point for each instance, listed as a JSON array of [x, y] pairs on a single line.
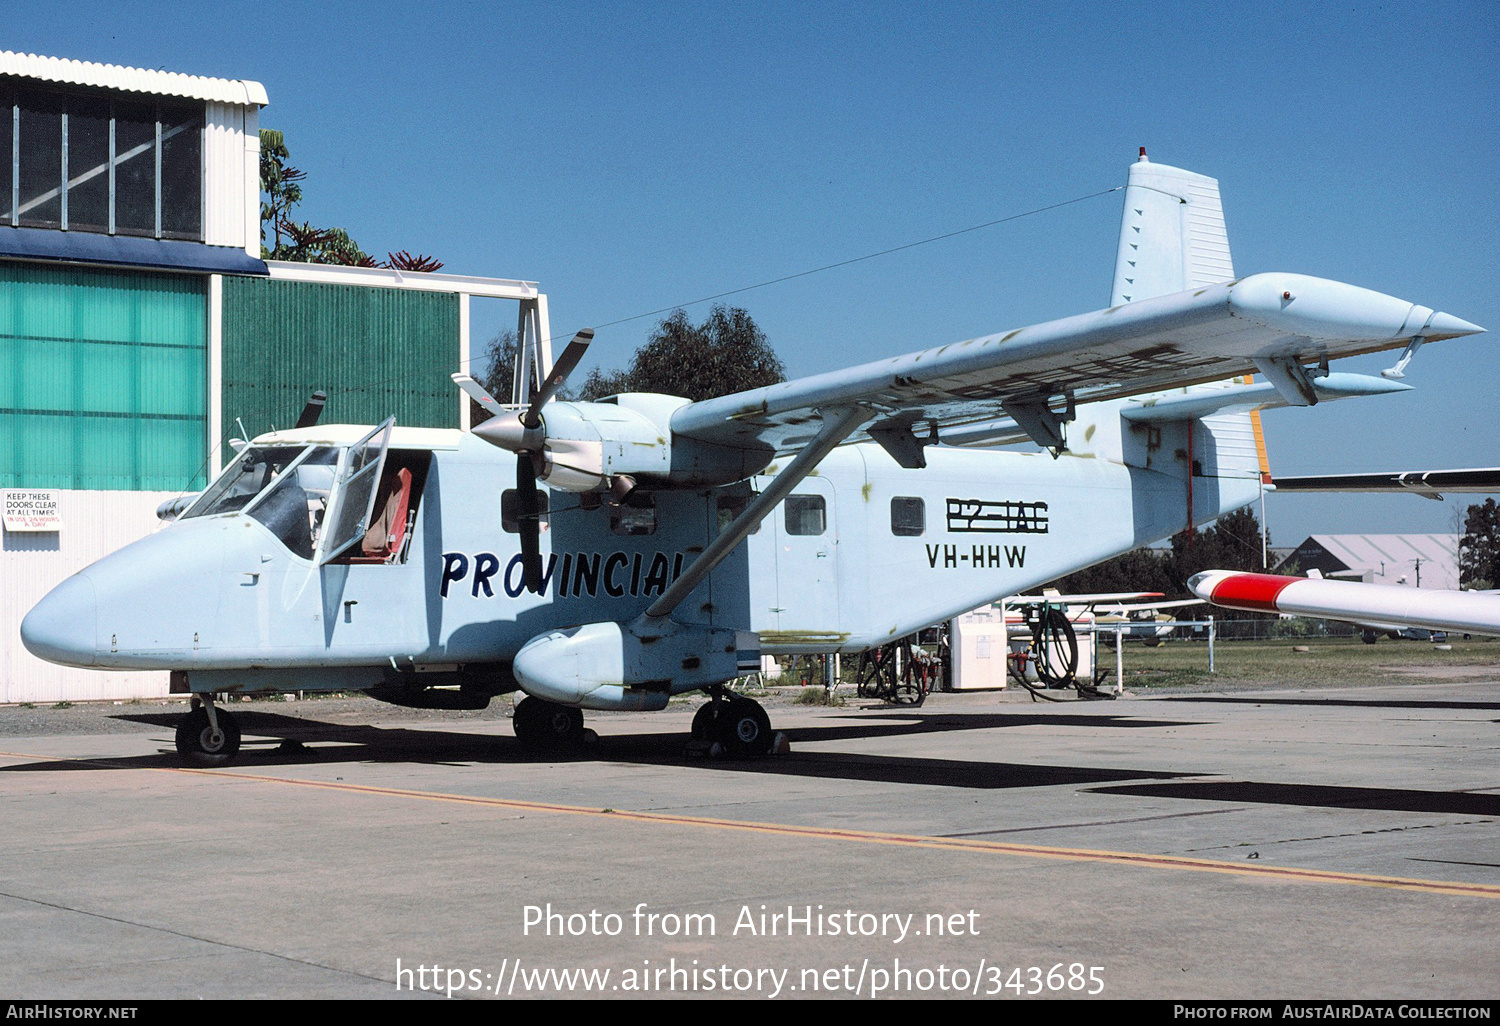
[[478, 393], [313, 410], [559, 373], [528, 523]]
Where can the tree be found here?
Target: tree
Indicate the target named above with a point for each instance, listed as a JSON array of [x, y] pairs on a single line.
[[1232, 543], [726, 353], [1479, 549], [281, 184], [500, 379]]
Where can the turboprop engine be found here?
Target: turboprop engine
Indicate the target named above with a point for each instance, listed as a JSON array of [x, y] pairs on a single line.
[[634, 666], [585, 447], [610, 446]]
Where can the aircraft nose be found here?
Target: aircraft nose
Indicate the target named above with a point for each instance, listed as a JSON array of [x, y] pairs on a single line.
[[60, 628]]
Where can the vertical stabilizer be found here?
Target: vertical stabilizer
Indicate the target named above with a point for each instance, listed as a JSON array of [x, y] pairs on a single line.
[[1172, 237]]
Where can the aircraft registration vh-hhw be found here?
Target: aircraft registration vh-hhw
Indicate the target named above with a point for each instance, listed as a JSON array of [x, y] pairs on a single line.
[[612, 554]]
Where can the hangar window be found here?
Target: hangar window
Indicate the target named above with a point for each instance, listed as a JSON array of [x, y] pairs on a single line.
[[806, 514], [90, 162], [7, 151], [908, 516]]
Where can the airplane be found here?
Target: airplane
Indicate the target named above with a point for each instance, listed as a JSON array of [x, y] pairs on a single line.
[[612, 554], [1144, 621], [1385, 606], [1429, 484]]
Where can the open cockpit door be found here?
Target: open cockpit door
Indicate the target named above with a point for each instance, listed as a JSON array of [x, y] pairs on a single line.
[[354, 493]]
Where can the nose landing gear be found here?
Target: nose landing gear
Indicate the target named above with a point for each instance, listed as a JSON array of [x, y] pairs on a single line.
[[207, 736]]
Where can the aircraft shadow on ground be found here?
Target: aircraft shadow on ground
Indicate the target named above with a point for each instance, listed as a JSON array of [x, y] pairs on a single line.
[[266, 732], [1455, 705], [1382, 799], [363, 743]]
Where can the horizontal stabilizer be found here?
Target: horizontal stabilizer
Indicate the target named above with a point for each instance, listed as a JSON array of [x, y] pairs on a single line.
[[1427, 483]]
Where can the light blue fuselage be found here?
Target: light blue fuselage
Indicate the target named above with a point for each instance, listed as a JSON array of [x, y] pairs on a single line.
[[223, 599]]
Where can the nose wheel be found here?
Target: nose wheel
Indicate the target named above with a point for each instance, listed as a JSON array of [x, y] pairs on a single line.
[[207, 736]]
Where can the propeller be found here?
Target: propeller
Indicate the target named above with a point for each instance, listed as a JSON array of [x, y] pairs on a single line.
[[524, 433], [313, 410]]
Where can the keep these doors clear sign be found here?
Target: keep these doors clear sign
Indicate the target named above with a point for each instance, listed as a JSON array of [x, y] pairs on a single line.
[[29, 510]]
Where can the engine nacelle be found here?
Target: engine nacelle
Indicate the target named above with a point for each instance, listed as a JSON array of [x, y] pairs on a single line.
[[635, 666], [586, 446]]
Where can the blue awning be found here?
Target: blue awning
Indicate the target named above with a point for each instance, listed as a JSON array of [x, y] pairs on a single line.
[[125, 251]]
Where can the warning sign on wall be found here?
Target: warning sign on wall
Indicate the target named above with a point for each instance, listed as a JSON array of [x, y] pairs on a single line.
[[31, 510]]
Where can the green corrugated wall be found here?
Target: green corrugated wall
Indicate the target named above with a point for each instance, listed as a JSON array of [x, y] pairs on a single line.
[[103, 379], [377, 352]]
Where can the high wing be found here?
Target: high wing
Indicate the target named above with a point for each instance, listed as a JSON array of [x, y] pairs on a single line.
[[1274, 323], [1430, 484], [1464, 611]]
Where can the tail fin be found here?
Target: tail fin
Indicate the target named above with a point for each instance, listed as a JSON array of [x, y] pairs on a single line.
[[1172, 237]]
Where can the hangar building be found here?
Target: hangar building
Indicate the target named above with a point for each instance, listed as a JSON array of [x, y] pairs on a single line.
[[139, 325], [1413, 560]]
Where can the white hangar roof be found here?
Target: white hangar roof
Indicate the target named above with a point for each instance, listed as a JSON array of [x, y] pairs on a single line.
[[240, 92]]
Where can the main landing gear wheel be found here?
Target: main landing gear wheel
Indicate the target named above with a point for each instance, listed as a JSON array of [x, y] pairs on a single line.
[[743, 728], [542, 724], [200, 744], [706, 720]]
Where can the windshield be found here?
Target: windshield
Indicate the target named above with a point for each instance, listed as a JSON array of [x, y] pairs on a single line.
[[285, 487], [244, 479]]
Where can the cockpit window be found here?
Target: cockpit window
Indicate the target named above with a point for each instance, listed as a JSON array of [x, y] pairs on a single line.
[[244, 479], [293, 506], [285, 487]]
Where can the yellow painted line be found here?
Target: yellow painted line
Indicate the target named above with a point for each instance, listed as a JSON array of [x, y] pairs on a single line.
[[952, 844]]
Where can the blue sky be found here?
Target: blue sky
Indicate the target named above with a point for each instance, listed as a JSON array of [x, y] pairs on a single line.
[[633, 156]]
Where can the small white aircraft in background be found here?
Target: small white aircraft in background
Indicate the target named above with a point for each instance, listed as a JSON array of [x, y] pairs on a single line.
[[1385, 606], [1145, 622]]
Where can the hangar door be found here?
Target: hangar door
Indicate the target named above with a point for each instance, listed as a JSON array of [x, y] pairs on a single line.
[[103, 379]]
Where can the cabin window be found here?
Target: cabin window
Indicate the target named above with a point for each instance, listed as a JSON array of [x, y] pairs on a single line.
[[636, 515], [908, 516], [730, 507], [806, 514], [510, 509], [285, 487]]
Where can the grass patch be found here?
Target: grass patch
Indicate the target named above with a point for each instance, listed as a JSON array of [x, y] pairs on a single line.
[[818, 696], [1327, 661], [63, 705]]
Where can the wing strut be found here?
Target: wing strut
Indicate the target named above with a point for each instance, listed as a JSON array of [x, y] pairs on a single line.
[[838, 424]]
